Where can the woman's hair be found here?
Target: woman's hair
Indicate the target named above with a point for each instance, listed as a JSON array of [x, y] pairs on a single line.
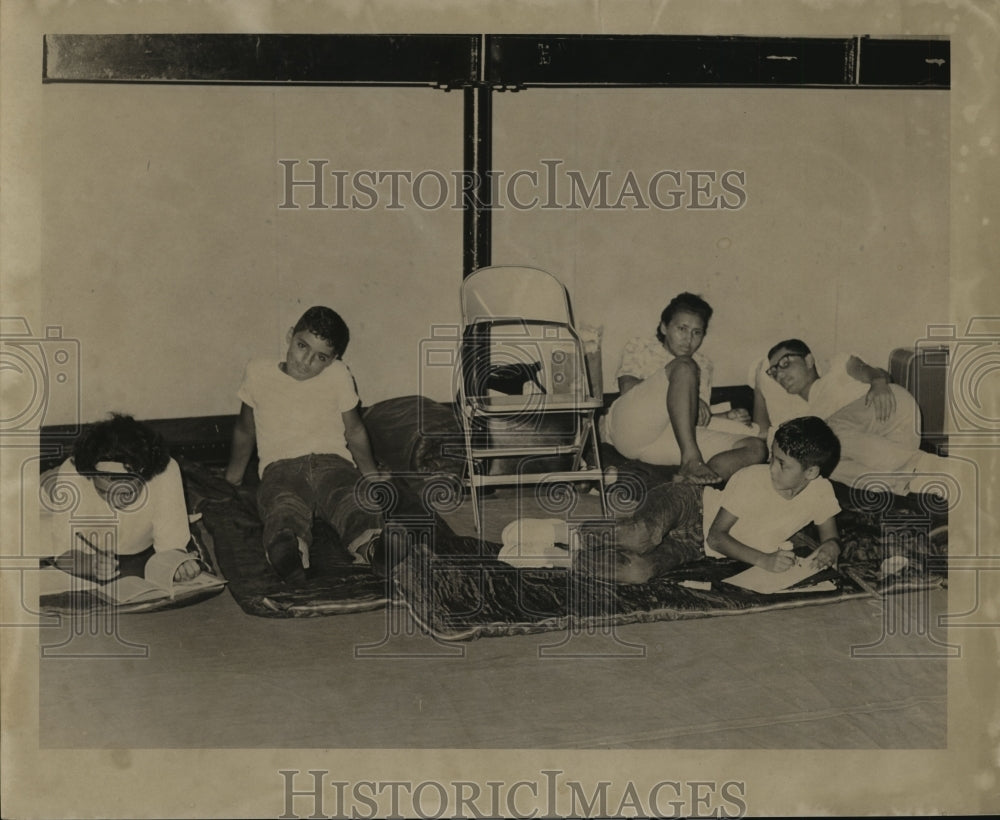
[[792, 346], [123, 439], [689, 302], [327, 324], [811, 442]]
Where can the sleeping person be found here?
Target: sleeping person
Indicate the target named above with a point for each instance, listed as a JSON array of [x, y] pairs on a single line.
[[128, 497], [663, 412], [751, 520]]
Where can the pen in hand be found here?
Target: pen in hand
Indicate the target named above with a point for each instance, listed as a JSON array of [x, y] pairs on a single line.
[[99, 564]]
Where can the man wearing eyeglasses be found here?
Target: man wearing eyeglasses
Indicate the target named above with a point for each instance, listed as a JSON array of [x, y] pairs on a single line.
[[877, 422]]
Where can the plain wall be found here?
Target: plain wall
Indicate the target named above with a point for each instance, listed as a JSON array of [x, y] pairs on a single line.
[[165, 252], [167, 255], [842, 239]]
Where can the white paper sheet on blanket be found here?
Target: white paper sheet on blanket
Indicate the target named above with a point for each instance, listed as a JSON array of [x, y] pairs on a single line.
[[757, 579]]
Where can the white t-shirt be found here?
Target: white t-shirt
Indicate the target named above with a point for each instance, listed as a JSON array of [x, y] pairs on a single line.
[[157, 516], [766, 519], [834, 389], [297, 418]]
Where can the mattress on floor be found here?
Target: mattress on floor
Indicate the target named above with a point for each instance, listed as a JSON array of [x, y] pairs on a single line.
[[334, 585]]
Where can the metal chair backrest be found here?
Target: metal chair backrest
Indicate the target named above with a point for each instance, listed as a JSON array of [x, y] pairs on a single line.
[[509, 291]]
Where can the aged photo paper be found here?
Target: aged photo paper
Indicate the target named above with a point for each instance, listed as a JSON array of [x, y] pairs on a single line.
[[152, 244]]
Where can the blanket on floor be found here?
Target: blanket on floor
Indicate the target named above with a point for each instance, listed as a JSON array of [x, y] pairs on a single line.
[[456, 588], [412, 436], [334, 584], [455, 593]]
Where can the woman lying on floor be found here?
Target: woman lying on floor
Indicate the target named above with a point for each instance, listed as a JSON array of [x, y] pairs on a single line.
[[119, 495]]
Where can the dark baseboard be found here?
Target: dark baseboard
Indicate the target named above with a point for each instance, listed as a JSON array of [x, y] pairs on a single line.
[[207, 439]]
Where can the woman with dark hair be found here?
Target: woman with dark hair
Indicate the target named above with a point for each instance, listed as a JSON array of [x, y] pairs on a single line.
[[126, 496], [663, 412]]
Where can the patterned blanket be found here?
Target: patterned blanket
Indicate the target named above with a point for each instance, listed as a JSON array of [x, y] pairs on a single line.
[[455, 587]]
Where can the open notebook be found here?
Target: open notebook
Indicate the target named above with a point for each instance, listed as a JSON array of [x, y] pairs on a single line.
[[157, 581]]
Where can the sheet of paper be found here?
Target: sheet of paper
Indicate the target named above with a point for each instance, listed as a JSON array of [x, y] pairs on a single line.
[[757, 579]]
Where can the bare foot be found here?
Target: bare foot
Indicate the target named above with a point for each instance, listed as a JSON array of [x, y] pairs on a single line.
[[697, 472]]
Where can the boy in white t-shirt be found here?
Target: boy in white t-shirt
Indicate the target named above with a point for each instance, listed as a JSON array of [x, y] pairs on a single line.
[[751, 520], [302, 414]]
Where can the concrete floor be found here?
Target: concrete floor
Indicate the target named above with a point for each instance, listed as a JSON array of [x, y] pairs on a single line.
[[216, 677], [858, 674]]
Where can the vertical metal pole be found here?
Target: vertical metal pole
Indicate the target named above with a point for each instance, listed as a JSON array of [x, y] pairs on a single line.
[[477, 223]]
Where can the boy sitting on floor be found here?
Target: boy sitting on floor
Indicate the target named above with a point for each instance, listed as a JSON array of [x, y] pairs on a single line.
[[751, 520], [302, 413]]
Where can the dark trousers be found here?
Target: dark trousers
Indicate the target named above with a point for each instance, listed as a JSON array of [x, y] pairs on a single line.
[[293, 490]]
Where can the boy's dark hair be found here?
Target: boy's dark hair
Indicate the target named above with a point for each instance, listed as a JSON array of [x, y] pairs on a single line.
[[690, 302], [792, 346], [326, 324], [811, 442], [121, 438]]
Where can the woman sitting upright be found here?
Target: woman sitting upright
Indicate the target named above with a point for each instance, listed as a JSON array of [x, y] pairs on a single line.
[[663, 412]]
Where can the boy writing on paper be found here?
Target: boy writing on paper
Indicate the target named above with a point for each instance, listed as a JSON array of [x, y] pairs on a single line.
[[751, 520]]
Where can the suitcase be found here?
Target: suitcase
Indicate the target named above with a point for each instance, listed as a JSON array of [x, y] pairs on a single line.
[[923, 371]]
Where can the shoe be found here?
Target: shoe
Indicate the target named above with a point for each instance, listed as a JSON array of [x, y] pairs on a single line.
[[283, 556], [371, 553], [361, 548]]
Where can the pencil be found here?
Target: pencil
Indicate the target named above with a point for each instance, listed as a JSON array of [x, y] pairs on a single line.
[[92, 545]]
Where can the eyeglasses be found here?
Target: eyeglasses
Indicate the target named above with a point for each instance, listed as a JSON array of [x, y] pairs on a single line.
[[782, 364]]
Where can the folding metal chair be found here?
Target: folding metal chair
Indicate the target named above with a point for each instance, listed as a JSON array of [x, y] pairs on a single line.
[[527, 399]]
